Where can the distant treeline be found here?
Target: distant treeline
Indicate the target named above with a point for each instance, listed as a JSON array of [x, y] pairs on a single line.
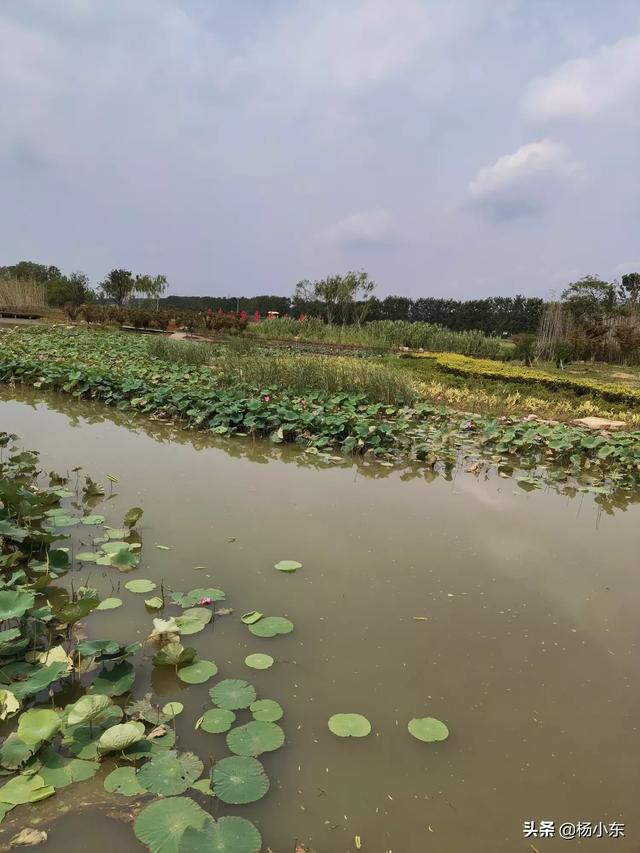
[[494, 315]]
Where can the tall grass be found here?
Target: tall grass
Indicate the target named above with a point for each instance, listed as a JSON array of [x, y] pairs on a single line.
[[21, 293], [179, 352], [387, 334], [302, 374]]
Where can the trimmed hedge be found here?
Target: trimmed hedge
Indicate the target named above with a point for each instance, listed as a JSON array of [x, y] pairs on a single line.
[[485, 369]]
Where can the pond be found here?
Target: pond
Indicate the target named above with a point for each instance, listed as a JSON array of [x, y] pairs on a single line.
[[511, 616]]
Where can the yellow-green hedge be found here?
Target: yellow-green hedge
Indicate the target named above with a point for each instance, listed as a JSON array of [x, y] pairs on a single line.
[[486, 369]]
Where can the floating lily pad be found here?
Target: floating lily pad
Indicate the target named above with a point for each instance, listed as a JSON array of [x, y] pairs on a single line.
[[73, 611], [195, 596], [162, 824], [216, 720], [197, 672], [193, 620], [143, 709], [123, 780], [233, 694], [255, 737], [428, 729], [204, 786], [258, 661], [58, 771], [109, 604], [37, 725], [140, 585], [91, 520], [87, 557], [251, 617], [116, 681], [170, 774], [154, 603], [349, 725], [39, 679], [172, 709], [288, 565], [267, 710], [270, 626], [229, 834], [25, 789], [120, 737], [124, 560], [239, 779]]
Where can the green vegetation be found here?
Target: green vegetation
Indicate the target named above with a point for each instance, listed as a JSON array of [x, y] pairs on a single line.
[[117, 369], [382, 334]]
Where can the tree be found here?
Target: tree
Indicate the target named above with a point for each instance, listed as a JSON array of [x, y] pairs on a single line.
[[357, 292], [70, 290], [118, 286], [151, 286], [590, 298], [630, 289]]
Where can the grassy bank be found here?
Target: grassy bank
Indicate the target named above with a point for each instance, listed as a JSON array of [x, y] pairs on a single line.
[[118, 370]]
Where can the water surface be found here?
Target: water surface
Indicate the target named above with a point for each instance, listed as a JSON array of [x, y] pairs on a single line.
[[526, 645]]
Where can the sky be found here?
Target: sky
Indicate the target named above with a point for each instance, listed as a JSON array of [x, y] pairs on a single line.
[[462, 149]]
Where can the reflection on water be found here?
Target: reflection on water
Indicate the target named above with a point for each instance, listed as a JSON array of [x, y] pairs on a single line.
[[526, 645]]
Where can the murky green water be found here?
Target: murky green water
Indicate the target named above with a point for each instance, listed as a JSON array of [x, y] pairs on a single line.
[[528, 649]]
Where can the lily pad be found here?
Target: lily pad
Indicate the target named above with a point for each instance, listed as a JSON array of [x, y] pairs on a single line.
[[119, 737], [174, 654], [116, 681], [170, 774], [91, 520], [88, 708], [87, 557], [39, 679], [25, 789], [15, 752], [197, 672], [195, 596], [58, 771], [288, 566], [154, 603], [124, 780], [133, 516], [239, 779], [37, 725], [193, 620], [140, 585], [233, 694], [428, 729], [251, 617], [229, 834], [255, 737], [267, 710], [9, 705], [172, 709], [270, 626], [14, 604], [216, 720], [349, 725], [109, 604], [163, 823], [258, 661]]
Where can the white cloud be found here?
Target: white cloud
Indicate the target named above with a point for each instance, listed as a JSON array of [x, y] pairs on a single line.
[[586, 87], [517, 184], [364, 228]]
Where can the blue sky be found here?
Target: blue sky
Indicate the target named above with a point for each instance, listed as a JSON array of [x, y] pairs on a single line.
[[458, 149]]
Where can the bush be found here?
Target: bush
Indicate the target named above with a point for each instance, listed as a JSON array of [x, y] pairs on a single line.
[[511, 373]]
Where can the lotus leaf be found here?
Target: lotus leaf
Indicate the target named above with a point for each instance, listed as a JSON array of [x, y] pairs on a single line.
[[119, 737], [170, 774], [162, 824], [288, 565], [174, 654], [216, 720], [255, 737], [58, 771], [133, 516], [195, 596], [349, 725], [233, 694], [258, 661], [267, 710], [251, 617], [25, 789], [123, 780], [116, 681], [239, 779], [14, 604], [109, 604], [154, 603], [197, 672], [428, 729], [229, 834], [140, 585], [270, 626], [37, 725], [9, 705], [87, 709], [172, 709]]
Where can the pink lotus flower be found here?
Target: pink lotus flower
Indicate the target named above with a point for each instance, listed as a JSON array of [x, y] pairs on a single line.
[[206, 601], [266, 398], [469, 425]]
